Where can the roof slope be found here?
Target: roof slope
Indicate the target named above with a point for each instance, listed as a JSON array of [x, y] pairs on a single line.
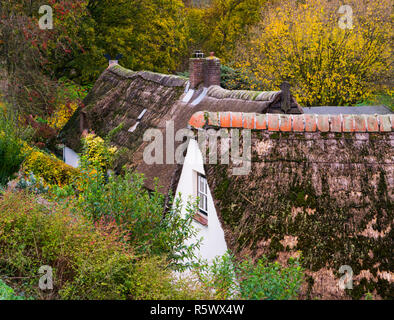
[[120, 95], [319, 184]]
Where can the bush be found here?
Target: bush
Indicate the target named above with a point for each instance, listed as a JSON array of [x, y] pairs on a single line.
[[7, 293], [124, 200], [97, 153], [11, 147], [152, 228], [48, 167], [32, 235], [69, 98], [219, 276], [32, 184], [89, 261], [301, 42], [61, 116], [269, 280], [263, 280], [151, 282], [233, 79]]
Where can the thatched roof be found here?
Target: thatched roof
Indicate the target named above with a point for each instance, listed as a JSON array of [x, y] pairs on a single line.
[[318, 184], [120, 95]]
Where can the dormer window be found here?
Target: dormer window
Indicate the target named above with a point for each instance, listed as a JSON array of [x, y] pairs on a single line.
[[202, 193]]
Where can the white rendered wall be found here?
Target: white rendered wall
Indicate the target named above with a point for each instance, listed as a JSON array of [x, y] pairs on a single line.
[[213, 243], [70, 157]]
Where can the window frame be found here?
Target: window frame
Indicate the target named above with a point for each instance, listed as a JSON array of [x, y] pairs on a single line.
[[204, 193]]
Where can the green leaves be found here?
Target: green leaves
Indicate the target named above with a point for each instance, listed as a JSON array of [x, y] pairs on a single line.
[[7, 293], [262, 280], [269, 280], [125, 200], [11, 153]]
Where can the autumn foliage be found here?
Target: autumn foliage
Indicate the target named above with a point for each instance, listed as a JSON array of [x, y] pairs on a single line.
[[302, 42], [31, 58], [266, 42]]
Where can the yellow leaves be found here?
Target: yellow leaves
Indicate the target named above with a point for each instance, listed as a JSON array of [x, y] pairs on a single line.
[[97, 150], [51, 169], [326, 65], [62, 115]]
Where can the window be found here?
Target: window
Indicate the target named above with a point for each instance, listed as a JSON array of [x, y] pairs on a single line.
[[202, 193]]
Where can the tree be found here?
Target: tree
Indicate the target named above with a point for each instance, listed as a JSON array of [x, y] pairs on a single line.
[[30, 58], [222, 25], [304, 44], [149, 34]]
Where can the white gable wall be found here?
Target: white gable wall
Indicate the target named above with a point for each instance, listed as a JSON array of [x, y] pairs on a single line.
[[70, 157], [213, 243]]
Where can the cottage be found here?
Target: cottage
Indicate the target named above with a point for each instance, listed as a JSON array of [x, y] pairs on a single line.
[[317, 183]]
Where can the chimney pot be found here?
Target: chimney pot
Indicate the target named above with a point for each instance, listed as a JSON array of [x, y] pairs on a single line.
[[198, 54], [112, 62]]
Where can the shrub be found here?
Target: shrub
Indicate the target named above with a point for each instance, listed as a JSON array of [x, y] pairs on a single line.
[[48, 167], [61, 116], [124, 199], [151, 282], [263, 280], [11, 147], [69, 98], [233, 79], [7, 293], [89, 261], [219, 276], [97, 153], [301, 42], [269, 280], [32, 184], [31, 235]]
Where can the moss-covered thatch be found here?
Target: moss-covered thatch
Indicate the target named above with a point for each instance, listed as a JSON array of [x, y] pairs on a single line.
[[328, 196]]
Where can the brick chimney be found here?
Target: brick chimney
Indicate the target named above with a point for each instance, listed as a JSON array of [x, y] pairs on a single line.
[[196, 67], [211, 71], [204, 70]]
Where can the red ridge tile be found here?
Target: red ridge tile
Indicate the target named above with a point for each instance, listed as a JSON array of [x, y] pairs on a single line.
[[335, 123], [273, 121], [323, 123], [285, 122], [310, 122]]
